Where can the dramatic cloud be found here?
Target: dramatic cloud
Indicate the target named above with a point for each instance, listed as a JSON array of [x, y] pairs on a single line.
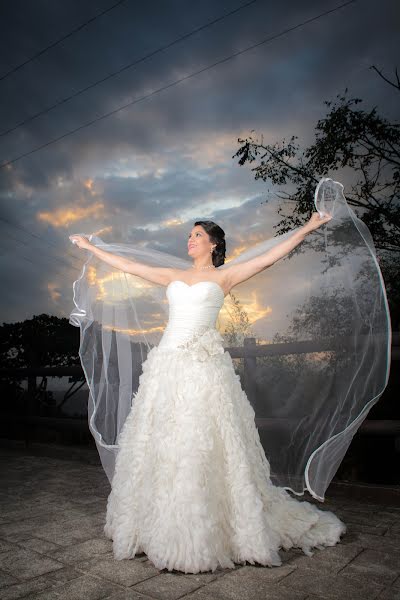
[[147, 172]]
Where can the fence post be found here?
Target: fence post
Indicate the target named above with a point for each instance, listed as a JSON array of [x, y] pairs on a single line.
[[29, 407], [31, 403]]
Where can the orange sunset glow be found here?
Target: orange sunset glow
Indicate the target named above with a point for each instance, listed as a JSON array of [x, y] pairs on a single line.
[[63, 217], [172, 222], [53, 290], [88, 184], [116, 286], [135, 332]]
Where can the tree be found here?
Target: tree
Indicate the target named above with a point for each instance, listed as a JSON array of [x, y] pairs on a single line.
[[237, 329], [44, 340], [239, 325], [348, 138]]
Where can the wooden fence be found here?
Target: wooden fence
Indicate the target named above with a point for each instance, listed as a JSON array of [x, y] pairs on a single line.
[[31, 417]]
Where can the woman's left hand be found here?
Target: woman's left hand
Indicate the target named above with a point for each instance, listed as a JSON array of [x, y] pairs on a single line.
[[316, 221], [80, 240]]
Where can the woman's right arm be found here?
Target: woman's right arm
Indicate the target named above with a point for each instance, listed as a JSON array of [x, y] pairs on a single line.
[[161, 275]]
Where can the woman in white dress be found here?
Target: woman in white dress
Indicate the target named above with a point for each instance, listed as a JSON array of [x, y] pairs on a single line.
[[191, 483]]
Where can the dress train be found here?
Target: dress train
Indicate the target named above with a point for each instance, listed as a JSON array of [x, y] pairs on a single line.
[[192, 484]]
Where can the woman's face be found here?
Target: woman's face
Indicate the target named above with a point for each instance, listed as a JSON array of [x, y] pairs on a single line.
[[199, 242]]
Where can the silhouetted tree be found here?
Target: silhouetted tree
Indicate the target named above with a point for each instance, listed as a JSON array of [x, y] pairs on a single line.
[[238, 326], [348, 138], [44, 340]]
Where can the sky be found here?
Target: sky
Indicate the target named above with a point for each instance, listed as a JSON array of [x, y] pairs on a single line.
[[145, 173]]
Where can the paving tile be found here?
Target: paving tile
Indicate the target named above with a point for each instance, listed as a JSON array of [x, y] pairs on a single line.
[[128, 595], [6, 579], [363, 518], [80, 551], [34, 502], [353, 504], [252, 593], [126, 572], [42, 522], [6, 546], [80, 588], [52, 546], [26, 588], [374, 566], [14, 589], [290, 555], [383, 543], [90, 500], [18, 538], [11, 510], [58, 533], [387, 515], [251, 583], [62, 575], [25, 564], [367, 522], [13, 528], [373, 529], [205, 577], [332, 587], [394, 529], [390, 594], [43, 511], [329, 560], [38, 545], [168, 586]]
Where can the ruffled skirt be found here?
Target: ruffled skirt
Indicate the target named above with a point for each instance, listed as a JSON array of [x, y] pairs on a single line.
[[191, 486]]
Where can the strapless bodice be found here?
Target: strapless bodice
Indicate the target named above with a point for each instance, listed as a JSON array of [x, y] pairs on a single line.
[[192, 309]]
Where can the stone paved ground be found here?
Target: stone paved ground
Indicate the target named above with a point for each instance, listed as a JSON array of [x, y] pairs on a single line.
[[52, 547]]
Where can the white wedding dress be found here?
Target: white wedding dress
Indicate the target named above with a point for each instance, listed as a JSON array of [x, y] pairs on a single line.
[[191, 486]]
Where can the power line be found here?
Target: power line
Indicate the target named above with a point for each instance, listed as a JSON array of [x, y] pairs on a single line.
[[41, 239], [52, 257], [176, 82], [66, 265], [126, 67], [109, 77], [61, 271], [71, 33]]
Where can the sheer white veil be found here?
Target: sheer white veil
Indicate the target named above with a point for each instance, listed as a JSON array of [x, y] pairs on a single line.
[[313, 352]]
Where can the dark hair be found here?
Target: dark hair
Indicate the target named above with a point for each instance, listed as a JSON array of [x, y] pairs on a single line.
[[217, 236]]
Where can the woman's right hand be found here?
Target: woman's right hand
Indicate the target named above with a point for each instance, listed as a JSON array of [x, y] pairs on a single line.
[[81, 241]]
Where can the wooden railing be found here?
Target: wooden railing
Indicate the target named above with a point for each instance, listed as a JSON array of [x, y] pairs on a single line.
[[31, 417]]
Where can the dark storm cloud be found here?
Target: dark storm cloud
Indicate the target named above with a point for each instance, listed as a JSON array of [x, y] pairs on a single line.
[[169, 156], [290, 67]]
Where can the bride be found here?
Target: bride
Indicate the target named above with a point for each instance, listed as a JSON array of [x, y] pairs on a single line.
[[191, 484], [191, 507]]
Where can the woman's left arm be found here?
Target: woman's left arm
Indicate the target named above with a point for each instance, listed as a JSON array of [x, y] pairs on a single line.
[[243, 271]]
